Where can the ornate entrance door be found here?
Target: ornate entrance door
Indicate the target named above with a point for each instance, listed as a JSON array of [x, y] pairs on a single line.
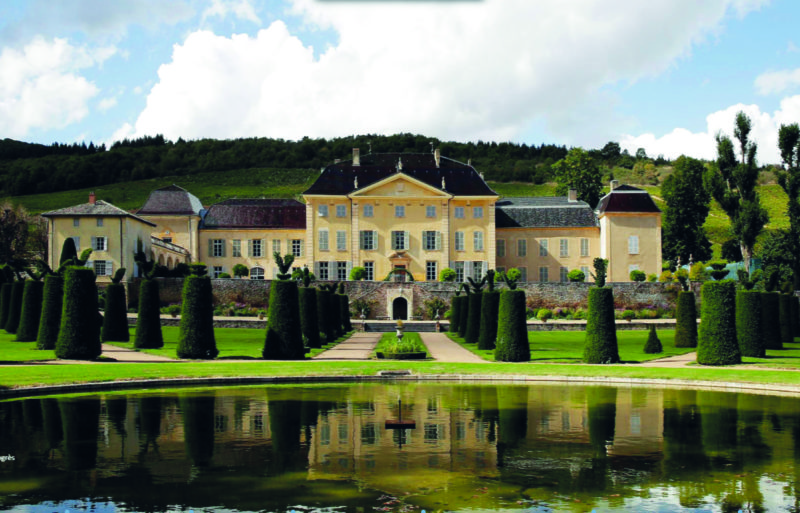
[[400, 309]]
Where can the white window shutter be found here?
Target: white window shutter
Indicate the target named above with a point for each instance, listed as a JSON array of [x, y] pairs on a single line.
[[109, 268], [264, 249], [349, 268], [274, 273], [406, 240], [105, 243], [89, 264], [361, 240], [375, 239], [249, 247], [438, 241], [302, 248], [77, 241], [316, 269], [210, 247], [467, 269]]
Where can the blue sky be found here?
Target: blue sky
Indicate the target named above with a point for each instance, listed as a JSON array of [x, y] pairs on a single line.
[[664, 75]]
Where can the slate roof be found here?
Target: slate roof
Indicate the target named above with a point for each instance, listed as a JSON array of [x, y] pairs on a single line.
[[627, 198], [171, 200], [255, 213], [460, 179], [543, 212], [98, 209]]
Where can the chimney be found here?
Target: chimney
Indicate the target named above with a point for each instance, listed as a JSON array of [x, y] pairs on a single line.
[[572, 196], [92, 198], [614, 184], [437, 155], [356, 158]]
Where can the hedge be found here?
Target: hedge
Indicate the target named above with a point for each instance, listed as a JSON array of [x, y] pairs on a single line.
[[50, 321], [196, 331], [284, 339], [115, 318], [717, 343], [600, 345], [5, 293], [490, 309], [463, 318], [31, 311], [309, 323], [748, 323], [512, 330], [785, 309], [15, 306], [334, 310], [344, 313], [770, 320], [686, 320], [324, 315], [474, 318], [653, 344], [455, 314], [79, 332], [795, 315], [148, 318]]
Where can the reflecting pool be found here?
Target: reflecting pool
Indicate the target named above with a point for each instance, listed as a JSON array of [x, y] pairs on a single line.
[[473, 448]]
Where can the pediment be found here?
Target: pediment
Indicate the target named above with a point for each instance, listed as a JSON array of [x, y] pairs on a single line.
[[399, 186]]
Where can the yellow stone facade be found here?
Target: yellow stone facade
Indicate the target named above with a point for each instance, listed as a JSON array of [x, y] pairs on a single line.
[[253, 248], [547, 254]]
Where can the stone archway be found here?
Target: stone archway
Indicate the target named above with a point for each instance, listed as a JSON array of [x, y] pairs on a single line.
[[400, 309]]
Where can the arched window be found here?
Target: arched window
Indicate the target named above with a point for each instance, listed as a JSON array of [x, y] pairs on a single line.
[[257, 273]]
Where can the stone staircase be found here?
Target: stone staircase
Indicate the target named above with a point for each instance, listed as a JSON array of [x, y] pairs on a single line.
[[409, 326]]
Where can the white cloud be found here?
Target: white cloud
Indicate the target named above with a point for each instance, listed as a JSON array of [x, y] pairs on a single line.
[[462, 70], [703, 144], [39, 87], [241, 9], [107, 103], [774, 82]]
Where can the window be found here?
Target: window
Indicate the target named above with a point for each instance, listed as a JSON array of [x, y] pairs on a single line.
[[432, 241], [563, 274], [167, 239], [430, 211], [633, 245], [341, 271], [430, 271], [477, 241], [584, 247], [563, 248], [323, 271], [369, 267], [477, 271], [256, 248], [257, 273], [217, 271], [99, 243], [99, 222], [216, 248], [276, 246], [297, 247], [459, 241], [459, 271], [323, 210], [103, 267], [323, 240], [76, 221], [501, 248], [543, 247], [399, 240], [523, 273], [459, 212], [369, 211], [544, 274], [369, 240], [341, 211], [632, 267], [399, 211], [77, 241], [522, 247], [477, 212], [341, 240], [236, 247]]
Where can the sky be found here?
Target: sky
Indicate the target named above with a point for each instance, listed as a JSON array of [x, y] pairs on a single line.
[[663, 75]]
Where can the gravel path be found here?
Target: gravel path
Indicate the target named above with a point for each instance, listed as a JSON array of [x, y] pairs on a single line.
[[442, 349], [357, 347]]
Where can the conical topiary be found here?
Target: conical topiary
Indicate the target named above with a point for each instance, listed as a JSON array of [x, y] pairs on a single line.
[[50, 321], [749, 331], [512, 331], [323, 315], [115, 318], [717, 343], [344, 313], [463, 320], [490, 308], [284, 340], [770, 320], [15, 306], [474, 316], [686, 320], [79, 333], [148, 317], [31, 311], [601, 330], [785, 315], [309, 317], [196, 334], [455, 312], [653, 344]]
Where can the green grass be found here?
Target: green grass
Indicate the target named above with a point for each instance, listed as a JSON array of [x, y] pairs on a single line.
[[390, 338], [523, 189]]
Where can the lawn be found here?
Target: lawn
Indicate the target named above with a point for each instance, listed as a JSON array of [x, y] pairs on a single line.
[[390, 337]]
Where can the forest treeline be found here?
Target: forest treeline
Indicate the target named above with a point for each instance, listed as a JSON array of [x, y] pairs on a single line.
[[27, 168]]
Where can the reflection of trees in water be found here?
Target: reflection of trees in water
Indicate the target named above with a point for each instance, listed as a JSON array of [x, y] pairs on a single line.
[[285, 424], [149, 422], [489, 412], [512, 402], [683, 446], [117, 412], [51, 418], [80, 419], [601, 410], [198, 427]]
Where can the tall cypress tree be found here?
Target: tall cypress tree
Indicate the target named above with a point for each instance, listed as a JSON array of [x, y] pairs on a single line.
[[284, 340], [687, 204], [196, 334], [79, 334], [148, 317], [601, 330], [50, 321], [115, 318], [789, 180], [309, 318], [31, 308]]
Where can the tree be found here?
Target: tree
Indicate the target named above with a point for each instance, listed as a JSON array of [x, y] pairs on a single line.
[[50, 320], [14, 233], [732, 183], [79, 334], [610, 152], [447, 275], [240, 271], [717, 343], [687, 204], [777, 254], [641, 154], [196, 332], [284, 337], [358, 273], [115, 316], [789, 180], [578, 171]]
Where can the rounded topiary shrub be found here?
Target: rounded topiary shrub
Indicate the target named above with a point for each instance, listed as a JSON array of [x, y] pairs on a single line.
[[309, 323], [748, 323], [50, 321], [785, 315], [717, 343], [686, 319], [115, 318], [31, 311], [455, 314], [15, 306], [284, 338], [344, 313], [512, 329], [196, 334], [474, 318], [79, 333], [463, 319], [148, 318], [770, 320], [653, 344], [601, 332], [324, 316], [490, 307]]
